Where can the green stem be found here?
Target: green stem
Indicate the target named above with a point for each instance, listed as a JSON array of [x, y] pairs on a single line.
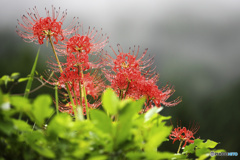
[[61, 70], [74, 107], [56, 97], [84, 94], [80, 86], [126, 89]]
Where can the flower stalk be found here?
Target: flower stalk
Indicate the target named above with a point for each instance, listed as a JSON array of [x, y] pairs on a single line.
[[61, 70], [179, 146]]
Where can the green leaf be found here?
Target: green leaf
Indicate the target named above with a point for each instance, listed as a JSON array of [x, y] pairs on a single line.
[[38, 142], [5, 79], [156, 136], [110, 101], [20, 103], [15, 75], [41, 108], [59, 126], [98, 157], [6, 127], [208, 144], [29, 83], [21, 125], [163, 155], [189, 148], [1, 97], [125, 120], [202, 151], [135, 155], [101, 121], [23, 79], [204, 156]]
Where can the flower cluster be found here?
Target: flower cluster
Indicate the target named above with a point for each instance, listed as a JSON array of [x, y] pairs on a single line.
[[133, 78], [184, 134], [130, 76]]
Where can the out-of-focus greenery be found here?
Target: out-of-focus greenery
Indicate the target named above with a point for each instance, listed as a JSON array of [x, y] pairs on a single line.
[[118, 132]]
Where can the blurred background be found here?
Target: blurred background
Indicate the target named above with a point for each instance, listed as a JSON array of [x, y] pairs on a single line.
[[196, 45]]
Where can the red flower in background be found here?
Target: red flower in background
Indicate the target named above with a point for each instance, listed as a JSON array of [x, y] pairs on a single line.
[[184, 134], [67, 108], [36, 28], [132, 77]]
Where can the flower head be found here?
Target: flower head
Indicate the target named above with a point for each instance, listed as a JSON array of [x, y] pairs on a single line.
[[84, 42], [184, 134], [132, 77], [36, 28]]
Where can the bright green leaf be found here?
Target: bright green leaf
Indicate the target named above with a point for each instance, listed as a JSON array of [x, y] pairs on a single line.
[[156, 136], [202, 151], [101, 121], [21, 125], [23, 79], [20, 103], [110, 101], [208, 144], [5, 79], [42, 109], [125, 120], [204, 156]]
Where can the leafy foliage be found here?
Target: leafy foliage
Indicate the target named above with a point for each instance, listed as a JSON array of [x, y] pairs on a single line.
[[117, 132]]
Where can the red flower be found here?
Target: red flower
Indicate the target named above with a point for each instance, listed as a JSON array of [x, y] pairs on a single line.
[[133, 78], [84, 43], [36, 28], [184, 134]]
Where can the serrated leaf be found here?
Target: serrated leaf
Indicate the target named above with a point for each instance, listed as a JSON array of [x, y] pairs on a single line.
[[208, 144], [189, 148], [110, 101]]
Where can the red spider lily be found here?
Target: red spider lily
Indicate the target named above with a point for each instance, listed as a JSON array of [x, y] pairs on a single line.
[[36, 28], [133, 78], [84, 42], [184, 134]]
